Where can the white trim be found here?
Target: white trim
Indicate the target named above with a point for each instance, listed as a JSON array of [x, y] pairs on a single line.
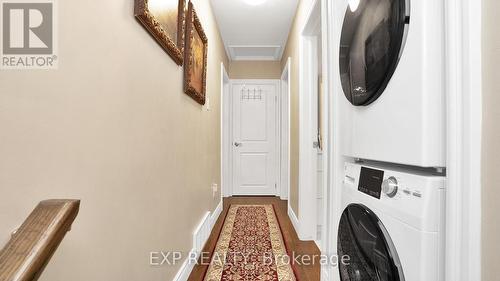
[[335, 13], [185, 270], [255, 58], [228, 122], [202, 232], [464, 126], [284, 130], [187, 267], [308, 48], [216, 213], [325, 238], [261, 81], [225, 133], [278, 50], [324, 274], [295, 222]]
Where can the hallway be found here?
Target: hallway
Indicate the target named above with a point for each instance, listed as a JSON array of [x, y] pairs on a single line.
[[294, 245], [140, 139]]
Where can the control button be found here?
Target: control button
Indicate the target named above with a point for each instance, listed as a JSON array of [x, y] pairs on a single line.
[[407, 192], [390, 187], [417, 194]]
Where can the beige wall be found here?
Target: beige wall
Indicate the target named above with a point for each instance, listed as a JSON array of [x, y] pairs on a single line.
[[292, 50], [254, 70], [491, 142], [113, 128]]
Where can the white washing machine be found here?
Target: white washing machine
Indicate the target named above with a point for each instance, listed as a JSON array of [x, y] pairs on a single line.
[[392, 74], [392, 226]]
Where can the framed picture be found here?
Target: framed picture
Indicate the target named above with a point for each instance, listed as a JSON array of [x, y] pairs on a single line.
[[195, 57], [164, 19]]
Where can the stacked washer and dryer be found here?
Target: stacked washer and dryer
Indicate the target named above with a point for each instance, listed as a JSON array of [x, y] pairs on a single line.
[[393, 131]]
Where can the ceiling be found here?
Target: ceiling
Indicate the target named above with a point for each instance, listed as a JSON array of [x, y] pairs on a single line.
[[254, 29]]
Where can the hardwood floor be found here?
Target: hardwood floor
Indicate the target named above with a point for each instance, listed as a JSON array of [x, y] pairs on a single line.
[[305, 273]]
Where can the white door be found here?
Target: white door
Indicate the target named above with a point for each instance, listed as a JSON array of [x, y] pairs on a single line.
[[254, 138]]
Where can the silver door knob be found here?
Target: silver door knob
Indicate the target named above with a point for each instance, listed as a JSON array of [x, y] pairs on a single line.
[[237, 144]]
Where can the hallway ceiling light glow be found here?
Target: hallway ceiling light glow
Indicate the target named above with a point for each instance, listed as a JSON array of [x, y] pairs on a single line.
[[353, 5], [254, 2]]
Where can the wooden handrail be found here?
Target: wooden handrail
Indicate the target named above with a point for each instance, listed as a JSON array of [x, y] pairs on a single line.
[[33, 244]]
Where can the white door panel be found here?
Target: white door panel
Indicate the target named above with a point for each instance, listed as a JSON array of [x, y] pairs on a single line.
[[254, 134]]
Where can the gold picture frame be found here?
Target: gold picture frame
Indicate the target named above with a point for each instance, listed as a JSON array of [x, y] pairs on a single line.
[[164, 19], [195, 57]]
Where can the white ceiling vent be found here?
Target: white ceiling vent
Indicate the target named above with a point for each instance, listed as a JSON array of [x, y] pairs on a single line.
[[254, 52], [254, 29]]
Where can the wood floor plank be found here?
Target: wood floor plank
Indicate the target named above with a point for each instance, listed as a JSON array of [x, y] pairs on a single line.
[[304, 272]]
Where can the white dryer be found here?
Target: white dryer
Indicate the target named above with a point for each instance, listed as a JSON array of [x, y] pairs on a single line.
[[392, 226], [392, 74]]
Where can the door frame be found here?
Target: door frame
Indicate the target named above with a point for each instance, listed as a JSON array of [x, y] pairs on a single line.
[[228, 123], [226, 163], [284, 137], [463, 20], [308, 54]]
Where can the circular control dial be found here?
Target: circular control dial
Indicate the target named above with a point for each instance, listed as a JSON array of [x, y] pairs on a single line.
[[390, 187]]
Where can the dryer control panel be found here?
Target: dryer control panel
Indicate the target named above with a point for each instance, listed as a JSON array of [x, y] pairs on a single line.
[[413, 195], [370, 181]]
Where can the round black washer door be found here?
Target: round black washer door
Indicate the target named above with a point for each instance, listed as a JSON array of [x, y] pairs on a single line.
[[363, 238], [370, 47]]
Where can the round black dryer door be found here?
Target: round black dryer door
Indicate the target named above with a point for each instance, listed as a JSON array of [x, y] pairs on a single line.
[[371, 44], [364, 239]]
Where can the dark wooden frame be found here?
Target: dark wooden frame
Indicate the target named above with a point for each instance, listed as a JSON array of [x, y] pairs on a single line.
[[193, 24], [175, 50]]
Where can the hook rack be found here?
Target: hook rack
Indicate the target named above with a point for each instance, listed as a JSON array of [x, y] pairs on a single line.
[[251, 94]]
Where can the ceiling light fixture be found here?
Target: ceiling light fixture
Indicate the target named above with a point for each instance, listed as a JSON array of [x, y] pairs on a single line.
[[254, 2], [353, 5]]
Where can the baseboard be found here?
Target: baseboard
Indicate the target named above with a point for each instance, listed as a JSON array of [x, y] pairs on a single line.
[[318, 244], [295, 221], [200, 237], [202, 232], [330, 273], [216, 214], [325, 275], [185, 270]]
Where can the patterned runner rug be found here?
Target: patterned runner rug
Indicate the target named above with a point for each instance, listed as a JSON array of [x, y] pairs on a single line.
[[250, 247]]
